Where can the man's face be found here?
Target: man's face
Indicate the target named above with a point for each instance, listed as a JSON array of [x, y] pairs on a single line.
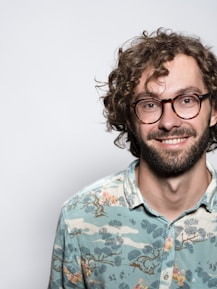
[[172, 145]]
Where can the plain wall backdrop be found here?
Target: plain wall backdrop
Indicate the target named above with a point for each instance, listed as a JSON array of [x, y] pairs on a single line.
[[52, 132]]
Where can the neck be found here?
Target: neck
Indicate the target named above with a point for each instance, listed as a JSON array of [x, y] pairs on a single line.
[[173, 195]]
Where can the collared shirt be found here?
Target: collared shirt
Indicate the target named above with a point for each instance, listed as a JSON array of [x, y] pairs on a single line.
[[109, 238]]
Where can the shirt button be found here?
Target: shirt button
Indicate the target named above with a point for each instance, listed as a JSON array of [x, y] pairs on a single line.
[[166, 276]]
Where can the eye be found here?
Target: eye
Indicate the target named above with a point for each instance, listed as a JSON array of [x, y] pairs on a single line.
[[148, 105], [187, 100]]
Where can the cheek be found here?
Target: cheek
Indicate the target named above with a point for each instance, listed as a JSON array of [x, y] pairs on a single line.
[[201, 125], [204, 118], [143, 130]]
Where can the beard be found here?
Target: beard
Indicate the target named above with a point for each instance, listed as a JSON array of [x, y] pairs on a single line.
[[172, 163]]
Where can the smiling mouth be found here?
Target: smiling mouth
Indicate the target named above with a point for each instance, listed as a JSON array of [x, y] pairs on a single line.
[[173, 141]]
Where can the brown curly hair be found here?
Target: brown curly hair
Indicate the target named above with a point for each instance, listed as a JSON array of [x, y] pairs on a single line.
[[154, 50]]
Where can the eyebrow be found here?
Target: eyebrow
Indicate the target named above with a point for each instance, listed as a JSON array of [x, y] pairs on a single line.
[[178, 92]]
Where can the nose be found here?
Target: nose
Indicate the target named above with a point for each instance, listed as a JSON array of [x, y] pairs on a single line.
[[169, 119]]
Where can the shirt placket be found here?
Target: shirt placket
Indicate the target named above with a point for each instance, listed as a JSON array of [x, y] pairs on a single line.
[[168, 259]]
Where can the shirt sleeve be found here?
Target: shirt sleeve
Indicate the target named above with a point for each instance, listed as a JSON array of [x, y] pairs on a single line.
[[66, 269]]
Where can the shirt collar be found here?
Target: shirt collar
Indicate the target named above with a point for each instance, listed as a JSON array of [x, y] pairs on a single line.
[[131, 190], [209, 199]]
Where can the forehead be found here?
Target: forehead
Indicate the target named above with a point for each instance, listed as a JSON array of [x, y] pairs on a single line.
[[184, 72]]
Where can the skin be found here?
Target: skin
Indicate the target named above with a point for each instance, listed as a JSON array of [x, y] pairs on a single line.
[[172, 194]]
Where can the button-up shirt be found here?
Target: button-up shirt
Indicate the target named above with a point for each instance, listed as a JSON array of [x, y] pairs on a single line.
[[109, 238]]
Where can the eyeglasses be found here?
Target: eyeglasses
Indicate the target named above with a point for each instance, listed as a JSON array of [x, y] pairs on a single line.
[[186, 106]]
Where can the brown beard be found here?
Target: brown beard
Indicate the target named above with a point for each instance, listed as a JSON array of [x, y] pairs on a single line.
[[172, 163]]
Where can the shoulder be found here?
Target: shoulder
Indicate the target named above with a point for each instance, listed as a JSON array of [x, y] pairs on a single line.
[[111, 185], [100, 198]]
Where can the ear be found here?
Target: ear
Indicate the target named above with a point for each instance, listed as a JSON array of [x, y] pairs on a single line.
[[213, 118]]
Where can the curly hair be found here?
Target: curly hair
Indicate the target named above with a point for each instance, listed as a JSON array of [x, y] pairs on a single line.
[[153, 50]]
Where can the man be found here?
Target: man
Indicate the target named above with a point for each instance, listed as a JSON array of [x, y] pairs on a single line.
[[153, 225]]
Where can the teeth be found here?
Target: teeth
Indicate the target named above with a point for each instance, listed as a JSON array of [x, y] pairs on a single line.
[[173, 141]]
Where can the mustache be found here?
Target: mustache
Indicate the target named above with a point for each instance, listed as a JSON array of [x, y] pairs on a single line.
[[187, 132]]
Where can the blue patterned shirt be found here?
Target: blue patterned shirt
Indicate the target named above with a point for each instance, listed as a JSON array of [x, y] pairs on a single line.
[[109, 238]]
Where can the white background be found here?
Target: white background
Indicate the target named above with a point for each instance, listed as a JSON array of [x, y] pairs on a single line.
[[52, 132]]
